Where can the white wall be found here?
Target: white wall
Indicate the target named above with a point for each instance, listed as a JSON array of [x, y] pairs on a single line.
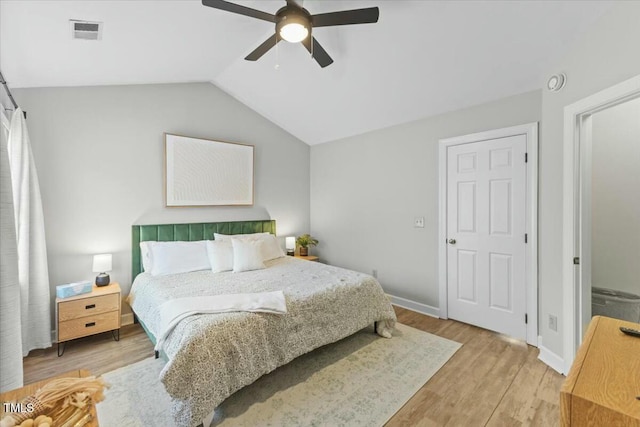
[[615, 188], [367, 189], [606, 55], [100, 158]]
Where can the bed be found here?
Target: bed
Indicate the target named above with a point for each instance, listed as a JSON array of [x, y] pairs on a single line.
[[211, 356]]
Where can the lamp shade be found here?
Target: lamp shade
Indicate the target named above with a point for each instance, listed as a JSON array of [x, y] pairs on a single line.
[[102, 263], [290, 242]]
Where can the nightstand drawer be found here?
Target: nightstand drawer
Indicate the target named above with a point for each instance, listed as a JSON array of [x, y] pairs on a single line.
[[88, 306], [89, 325]]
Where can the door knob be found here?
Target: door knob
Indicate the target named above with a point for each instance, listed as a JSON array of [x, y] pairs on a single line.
[[452, 241]]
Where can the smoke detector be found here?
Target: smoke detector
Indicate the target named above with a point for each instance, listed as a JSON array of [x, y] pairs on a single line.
[[85, 30], [556, 82]]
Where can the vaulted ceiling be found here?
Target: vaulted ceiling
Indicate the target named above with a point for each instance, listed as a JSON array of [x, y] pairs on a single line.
[[422, 58]]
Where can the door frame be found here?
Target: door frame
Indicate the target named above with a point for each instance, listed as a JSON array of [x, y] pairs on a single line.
[[576, 234], [530, 130]]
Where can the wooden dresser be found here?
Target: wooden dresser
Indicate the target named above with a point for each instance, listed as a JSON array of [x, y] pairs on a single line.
[[604, 381], [88, 314]]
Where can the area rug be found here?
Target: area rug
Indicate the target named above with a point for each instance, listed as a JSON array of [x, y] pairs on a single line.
[[360, 381]]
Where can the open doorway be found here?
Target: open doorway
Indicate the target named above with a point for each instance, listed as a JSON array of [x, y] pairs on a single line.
[[591, 181], [615, 212]]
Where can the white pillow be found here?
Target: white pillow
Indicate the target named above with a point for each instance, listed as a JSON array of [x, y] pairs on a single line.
[[220, 255], [178, 257], [145, 255], [270, 250], [218, 236], [247, 255]]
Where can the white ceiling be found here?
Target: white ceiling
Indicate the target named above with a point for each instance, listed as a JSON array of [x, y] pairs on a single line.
[[422, 58]]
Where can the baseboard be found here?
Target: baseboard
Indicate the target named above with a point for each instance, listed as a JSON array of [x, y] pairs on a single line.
[[550, 359], [415, 306]]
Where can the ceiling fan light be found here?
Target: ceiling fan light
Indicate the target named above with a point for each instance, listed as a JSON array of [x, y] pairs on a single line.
[[294, 32]]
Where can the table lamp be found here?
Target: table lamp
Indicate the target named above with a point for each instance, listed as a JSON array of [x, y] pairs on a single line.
[[102, 264], [290, 244]]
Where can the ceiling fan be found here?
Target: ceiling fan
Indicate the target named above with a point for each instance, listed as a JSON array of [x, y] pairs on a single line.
[[294, 24]]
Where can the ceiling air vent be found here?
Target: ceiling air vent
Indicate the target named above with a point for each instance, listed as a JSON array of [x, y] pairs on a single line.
[[85, 30]]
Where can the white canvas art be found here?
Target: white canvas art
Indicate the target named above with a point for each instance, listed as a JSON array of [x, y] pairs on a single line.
[[202, 172]]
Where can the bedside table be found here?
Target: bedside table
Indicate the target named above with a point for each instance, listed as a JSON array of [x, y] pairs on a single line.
[[89, 314], [308, 257]]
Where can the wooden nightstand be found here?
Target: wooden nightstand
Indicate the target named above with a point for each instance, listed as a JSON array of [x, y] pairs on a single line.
[[89, 314], [308, 257]]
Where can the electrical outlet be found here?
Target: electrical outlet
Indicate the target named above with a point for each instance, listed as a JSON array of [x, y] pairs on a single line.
[[553, 322], [375, 273], [418, 222]]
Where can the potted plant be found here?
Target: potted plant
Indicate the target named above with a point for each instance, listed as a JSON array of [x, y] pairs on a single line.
[[304, 242]]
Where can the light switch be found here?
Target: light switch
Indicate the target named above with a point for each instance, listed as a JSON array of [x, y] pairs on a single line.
[[418, 222]]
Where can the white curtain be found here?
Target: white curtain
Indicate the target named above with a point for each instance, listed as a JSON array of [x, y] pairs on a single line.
[[33, 274], [10, 333]]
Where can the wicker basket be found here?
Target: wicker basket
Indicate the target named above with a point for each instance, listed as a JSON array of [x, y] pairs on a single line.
[[64, 402]]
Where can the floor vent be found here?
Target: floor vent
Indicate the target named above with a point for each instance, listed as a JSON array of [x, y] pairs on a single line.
[[85, 30]]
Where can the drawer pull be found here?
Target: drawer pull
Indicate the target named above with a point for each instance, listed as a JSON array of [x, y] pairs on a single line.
[[87, 307], [88, 325]]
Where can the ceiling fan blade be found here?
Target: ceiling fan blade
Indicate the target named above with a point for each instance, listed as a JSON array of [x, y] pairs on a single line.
[[242, 10], [346, 17], [263, 48], [319, 54]]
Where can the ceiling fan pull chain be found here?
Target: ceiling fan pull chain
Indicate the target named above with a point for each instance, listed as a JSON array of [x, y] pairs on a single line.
[[277, 66]]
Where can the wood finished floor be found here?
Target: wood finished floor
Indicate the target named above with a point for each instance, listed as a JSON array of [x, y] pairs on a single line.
[[491, 381]]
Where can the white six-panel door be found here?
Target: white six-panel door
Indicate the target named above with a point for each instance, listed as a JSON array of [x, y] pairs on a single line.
[[486, 226]]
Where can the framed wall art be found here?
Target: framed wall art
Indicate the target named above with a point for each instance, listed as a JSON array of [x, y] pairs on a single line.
[[204, 172]]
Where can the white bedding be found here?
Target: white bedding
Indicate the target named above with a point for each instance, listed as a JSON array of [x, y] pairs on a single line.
[[173, 311], [210, 356]]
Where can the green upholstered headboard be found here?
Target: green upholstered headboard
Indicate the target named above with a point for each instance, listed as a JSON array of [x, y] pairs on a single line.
[[189, 232]]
